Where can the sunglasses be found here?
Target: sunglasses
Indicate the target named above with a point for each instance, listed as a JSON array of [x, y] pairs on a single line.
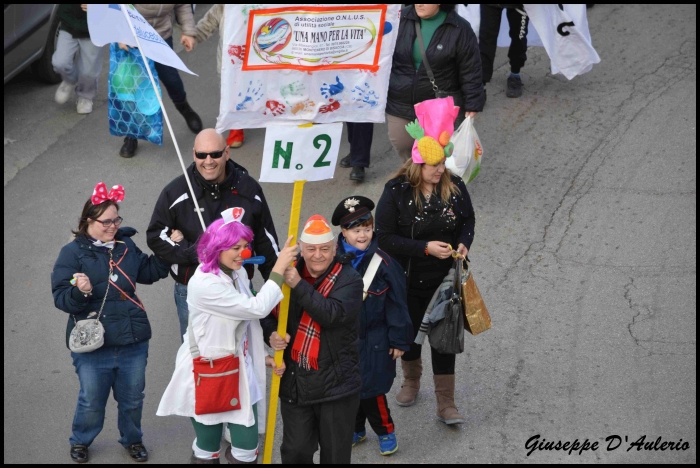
[[108, 222], [212, 154]]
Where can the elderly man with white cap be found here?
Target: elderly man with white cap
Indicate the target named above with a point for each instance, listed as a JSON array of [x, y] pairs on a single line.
[[320, 390]]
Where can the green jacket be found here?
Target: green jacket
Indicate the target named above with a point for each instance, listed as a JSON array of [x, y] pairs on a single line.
[[73, 20]]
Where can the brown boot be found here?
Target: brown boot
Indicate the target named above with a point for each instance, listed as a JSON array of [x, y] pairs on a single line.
[[235, 461], [412, 370], [445, 394]]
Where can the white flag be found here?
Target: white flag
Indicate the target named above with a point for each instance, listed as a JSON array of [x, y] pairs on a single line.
[[567, 40], [108, 24], [561, 29], [472, 13]]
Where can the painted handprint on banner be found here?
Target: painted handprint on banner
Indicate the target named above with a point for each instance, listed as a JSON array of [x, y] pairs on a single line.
[[236, 52], [274, 108], [328, 90], [387, 27], [333, 106], [303, 107], [252, 95], [364, 96], [247, 8], [290, 90]]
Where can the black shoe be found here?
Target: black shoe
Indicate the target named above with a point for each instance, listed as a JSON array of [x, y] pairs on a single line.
[[485, 97], [79, 453], [235, 461], [358, 174], [200, 461], [514, 87], [193, 121], [137, 452], [129, 147], [345, 162]]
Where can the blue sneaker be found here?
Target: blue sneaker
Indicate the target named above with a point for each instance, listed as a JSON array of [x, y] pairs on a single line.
[[358, 437], [388, 444]]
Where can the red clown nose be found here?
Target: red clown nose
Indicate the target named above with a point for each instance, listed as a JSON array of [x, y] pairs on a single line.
[[246, 253]]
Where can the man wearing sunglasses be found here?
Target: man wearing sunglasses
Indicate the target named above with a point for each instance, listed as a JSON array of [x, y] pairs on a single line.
[[218, 184]]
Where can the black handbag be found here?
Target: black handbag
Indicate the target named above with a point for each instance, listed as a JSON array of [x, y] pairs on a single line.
[[438, 94], [447, 335]]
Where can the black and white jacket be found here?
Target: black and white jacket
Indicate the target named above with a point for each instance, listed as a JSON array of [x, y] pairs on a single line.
[[175, 210]]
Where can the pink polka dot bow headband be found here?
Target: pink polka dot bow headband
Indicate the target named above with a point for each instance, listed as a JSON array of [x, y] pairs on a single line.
[[100, 194]]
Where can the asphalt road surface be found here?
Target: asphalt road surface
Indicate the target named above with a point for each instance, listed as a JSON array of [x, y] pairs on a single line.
[[585, 252]]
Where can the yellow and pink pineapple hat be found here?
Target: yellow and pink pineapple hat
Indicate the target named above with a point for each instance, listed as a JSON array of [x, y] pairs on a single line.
[[432, 130]]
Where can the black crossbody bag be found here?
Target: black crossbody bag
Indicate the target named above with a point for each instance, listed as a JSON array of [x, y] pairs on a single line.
[[438, 94]]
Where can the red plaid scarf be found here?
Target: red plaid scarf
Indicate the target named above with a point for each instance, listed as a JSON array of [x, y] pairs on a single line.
[[307, 342]]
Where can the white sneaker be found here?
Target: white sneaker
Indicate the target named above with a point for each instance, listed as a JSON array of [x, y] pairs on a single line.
[[64, 92], [84, 105]]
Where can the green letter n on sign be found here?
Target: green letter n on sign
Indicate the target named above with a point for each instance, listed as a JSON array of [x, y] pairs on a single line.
[[285, 153]]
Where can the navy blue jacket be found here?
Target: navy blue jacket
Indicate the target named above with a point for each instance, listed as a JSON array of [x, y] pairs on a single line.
[[384, 321], [124, 322]]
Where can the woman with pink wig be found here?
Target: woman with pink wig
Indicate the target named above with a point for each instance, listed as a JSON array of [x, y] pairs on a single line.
[[223, 322]]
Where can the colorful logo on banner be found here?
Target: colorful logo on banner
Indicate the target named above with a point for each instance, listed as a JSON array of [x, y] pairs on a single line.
[[315, 38]]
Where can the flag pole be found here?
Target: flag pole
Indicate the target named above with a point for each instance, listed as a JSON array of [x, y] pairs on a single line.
[[165, 114], [294, 214]]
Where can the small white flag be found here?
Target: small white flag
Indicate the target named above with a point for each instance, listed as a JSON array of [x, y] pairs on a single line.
[[108, 24]]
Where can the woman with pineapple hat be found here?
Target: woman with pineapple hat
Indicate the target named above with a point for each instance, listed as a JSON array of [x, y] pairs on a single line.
[[450, 52], [423, 214]]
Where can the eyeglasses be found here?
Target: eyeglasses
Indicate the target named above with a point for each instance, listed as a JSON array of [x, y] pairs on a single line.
[[108, 222], [212, 154]]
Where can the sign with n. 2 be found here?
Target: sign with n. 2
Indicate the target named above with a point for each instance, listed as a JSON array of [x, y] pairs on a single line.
[[300, 152]]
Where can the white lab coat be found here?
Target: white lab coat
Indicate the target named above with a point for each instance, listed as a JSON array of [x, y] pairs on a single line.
[[218, 316]]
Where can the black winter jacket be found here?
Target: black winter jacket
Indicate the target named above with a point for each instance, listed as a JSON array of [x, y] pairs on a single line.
[[124, 322], [453, 55], [338, 373], [384, 321], [396, 216], [175, 210]]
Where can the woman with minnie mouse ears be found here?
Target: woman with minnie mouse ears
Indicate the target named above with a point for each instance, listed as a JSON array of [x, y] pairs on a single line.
[[223, 347], [98, 271]]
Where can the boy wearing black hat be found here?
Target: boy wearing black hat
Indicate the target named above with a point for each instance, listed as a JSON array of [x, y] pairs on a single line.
[[385, 326]]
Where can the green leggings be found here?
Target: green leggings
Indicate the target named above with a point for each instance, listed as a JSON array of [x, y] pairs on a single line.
[[209, 437]]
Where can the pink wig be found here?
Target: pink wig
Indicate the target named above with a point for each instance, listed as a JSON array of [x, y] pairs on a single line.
[[217, 238]]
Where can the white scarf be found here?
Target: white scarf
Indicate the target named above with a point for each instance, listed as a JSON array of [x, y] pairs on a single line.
[[99, 243]]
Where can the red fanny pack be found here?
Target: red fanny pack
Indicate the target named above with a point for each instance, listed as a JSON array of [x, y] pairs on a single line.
[[216, 384]]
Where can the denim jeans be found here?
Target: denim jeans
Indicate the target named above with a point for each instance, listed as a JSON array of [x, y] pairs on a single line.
[[171, 79], [121, 369], [181, 304]]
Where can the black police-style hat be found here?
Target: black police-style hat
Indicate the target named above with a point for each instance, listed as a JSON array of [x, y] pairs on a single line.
[[352, 211]]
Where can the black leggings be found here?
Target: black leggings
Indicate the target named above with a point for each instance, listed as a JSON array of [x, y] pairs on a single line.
[[417, 303], [488, 33]]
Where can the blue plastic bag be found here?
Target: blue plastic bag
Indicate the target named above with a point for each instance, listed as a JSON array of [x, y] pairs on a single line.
[[133, 108]]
